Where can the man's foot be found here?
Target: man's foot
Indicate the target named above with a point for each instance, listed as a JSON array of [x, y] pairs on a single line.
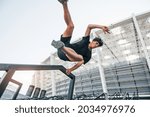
[[62, 1], [57, 44]]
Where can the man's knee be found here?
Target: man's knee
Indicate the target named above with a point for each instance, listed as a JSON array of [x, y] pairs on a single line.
[[71, 26], [80, 57]]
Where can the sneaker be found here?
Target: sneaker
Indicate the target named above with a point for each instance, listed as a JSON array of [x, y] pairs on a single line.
[[62, 1], [57, 44]]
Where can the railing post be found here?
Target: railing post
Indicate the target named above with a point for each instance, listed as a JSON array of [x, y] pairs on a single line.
[[18, 89], [71, 89], [5, 81], [17, 92]]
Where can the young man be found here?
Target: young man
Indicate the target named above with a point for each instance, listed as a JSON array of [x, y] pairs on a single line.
[[81, 51]]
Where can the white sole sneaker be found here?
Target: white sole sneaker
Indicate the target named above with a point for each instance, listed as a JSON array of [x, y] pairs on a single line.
[[57, 44]]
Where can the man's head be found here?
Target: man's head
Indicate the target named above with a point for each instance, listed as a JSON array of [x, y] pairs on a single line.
[[96, 42]]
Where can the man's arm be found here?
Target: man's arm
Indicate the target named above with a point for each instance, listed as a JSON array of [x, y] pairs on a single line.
[[93, 26], [68, 71]]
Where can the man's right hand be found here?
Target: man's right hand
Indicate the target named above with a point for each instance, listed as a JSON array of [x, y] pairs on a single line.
[[68, 71]]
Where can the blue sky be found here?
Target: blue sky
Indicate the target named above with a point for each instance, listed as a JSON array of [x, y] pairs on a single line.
[[27, 27]]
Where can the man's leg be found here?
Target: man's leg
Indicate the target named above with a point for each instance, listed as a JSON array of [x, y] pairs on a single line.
[[70, 53], [67, 17]]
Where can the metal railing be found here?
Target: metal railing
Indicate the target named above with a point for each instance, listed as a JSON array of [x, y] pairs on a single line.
[[11, 68]]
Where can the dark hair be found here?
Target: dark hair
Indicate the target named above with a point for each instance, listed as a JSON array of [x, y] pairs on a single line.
[[99, 40]]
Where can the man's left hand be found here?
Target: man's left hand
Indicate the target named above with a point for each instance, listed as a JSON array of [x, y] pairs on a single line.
[[105, 29]]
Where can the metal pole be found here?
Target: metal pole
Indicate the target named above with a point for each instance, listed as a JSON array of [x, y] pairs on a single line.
[[71, 88], [102, 75], [18, 89], [141, 39], [6, 80], [17, 92]]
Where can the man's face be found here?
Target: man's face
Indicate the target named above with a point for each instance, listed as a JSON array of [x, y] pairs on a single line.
[[94, 44]]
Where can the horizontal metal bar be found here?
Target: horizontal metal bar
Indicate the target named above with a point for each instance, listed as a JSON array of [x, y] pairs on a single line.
[[29, 67], [6, 67]]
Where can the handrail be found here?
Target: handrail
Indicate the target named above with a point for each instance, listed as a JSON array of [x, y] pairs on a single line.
[[6, 67], [11, 68]]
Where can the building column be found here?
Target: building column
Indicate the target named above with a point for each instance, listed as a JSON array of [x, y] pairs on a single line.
[[102, 75], [141, 39], [52, 60]]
